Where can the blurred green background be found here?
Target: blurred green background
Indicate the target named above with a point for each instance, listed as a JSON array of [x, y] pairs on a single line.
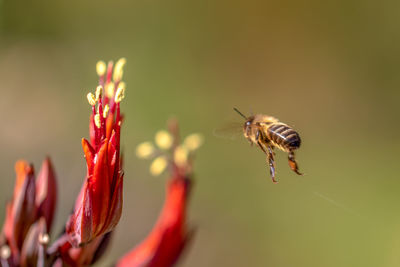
[[328, 68]]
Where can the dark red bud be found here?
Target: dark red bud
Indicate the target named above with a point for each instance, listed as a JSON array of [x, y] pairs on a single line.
[[46, 193], [164, 245], [21, 212], [32, 246]]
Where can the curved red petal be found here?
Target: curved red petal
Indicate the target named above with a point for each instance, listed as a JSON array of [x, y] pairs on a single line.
[[115, 207], [46, 193], [89, 154], [23, 209], [100, 187], [167, 239], [31, 246], [80, 224], [92, 130]]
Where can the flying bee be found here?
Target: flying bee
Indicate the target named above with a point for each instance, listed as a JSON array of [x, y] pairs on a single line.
[[268, 132]]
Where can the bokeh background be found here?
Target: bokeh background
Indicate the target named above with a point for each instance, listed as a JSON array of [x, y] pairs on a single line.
[[328, 68]]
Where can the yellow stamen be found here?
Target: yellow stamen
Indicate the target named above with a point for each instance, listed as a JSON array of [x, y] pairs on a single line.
[[158, 165], [91, 99], [110, 90], [97, 120], [144, 150], [119, 95], [122, 85], [99, 92], [118, 69], [180, 156], [105, 111], [5, 252], [101, 68], [193, 141], [163, 139]]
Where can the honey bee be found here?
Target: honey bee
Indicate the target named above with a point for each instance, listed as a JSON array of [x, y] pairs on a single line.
[[268, 132]]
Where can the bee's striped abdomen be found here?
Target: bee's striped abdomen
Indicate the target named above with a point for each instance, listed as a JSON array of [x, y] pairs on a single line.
[[284, 136]]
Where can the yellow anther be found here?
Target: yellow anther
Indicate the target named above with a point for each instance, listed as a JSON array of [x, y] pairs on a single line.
[[193, 141], [5, 252], [105, 111], [117, 76], [44, 239], [122, 85], [99, 92], [101, 68], [110, 90], [119, 95], [120, 63], [181, 155], [163, 139], [144, 150], [97, 120], [158, 165], [91, 99], [119, 69]]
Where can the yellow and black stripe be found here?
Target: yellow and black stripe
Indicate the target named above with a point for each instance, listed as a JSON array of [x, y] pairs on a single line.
[[284, 137]]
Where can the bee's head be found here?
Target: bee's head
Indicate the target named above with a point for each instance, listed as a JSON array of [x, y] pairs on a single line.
[[247, 125]]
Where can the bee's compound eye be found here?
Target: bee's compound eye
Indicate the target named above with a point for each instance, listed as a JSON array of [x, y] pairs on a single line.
[[247, 123]]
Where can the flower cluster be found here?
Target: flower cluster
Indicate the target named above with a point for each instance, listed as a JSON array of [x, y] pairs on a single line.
[[29, 215], [25, 237], [168, 151], [99, 204], [169, 236]]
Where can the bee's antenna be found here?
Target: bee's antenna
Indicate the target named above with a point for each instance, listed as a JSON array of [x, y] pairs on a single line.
[[240, 113]]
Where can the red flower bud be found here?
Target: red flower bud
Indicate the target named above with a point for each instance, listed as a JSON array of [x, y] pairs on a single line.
[[166, 241], [33, 247], [99, 205], [21, 211], [80, 256], [46, 193]]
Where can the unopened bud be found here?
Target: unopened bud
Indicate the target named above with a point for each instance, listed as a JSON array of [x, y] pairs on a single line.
[[5, 252], [44, 238]]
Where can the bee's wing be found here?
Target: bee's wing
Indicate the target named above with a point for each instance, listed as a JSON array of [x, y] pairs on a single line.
[[229, 131]]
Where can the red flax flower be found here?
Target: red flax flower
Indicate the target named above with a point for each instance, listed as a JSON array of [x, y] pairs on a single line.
[[99, 204], [85, 255], [165, 243], [30, 213]]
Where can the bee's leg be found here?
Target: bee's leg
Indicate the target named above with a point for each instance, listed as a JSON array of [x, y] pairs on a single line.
[[271, 162], [250, 141], [270, 155], [248, 133], [293, 164], [270, 158], [258, 135]]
